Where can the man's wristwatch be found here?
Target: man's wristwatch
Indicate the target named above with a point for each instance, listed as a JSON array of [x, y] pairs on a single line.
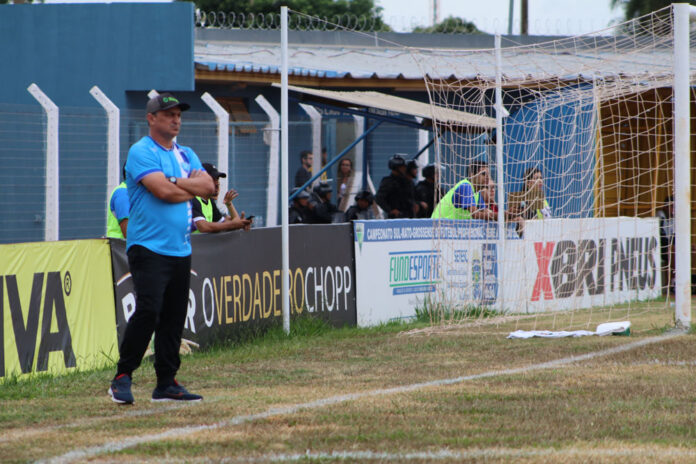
[[172, 179]]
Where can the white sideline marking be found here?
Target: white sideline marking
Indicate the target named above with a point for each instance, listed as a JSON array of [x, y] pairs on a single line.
[[130, 442], [485, 453]]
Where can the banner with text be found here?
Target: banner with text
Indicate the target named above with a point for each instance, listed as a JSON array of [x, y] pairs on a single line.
[[400, 264], [236, 284], [56, 307], [581, 263]]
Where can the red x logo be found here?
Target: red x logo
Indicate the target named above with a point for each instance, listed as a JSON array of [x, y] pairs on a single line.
[[543, 280]]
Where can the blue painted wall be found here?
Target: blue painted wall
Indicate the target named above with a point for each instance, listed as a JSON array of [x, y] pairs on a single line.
[[67, 48], [555, 133]]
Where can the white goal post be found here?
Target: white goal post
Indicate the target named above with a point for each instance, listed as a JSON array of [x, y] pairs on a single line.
[[588, 128]]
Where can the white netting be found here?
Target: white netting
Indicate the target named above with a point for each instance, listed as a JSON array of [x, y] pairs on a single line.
[[593, 115]]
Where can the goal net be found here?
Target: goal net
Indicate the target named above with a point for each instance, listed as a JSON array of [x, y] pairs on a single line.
[[584, 174]]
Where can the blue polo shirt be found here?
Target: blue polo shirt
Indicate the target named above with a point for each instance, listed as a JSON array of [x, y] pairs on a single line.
[[155, 224], [465, 198], [119, 203]]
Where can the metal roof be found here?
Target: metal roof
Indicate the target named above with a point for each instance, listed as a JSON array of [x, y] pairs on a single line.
[[331, 62], [400, 105], [313, 61]]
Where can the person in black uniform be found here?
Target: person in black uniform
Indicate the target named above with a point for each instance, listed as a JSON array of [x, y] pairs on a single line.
[[412, 170], [321, 209], [299, 211], [426, 195], [396, 193], [362, 207]]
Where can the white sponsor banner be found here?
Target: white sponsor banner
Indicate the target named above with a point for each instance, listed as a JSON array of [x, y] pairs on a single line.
[[399, 264], [560, 264], [581, 263]]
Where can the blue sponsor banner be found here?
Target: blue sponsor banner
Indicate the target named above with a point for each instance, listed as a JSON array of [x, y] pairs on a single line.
[[414, 271], [428, 229], [427, 288], [400, 263]]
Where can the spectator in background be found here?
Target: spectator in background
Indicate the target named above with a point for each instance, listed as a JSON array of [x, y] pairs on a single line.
[[666, 216], [119, 208], [463, 201], [299, 209], [304, 173], [322, 211], [426, 194], [324, 160], [489, 198], [207, 218], [412, 171], [531, 202], [362, 207], [162, 177], [344, 181], [396, 193]]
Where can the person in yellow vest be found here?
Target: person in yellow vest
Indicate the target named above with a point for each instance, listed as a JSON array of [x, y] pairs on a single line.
[[206, 216], [463, 201], [531, 202], [118, 210]]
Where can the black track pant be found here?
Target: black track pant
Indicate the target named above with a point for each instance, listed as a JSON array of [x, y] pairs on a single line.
[[161, 285]]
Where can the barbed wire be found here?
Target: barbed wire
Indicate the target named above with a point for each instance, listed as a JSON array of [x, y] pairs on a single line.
[[370, 24], [270, 21]]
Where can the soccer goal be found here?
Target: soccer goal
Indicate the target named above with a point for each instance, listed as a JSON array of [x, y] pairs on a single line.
[[589, 168]]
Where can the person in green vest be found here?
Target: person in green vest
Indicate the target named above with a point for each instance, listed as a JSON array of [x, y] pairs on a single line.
[[463, 201], [118, 210], [206, 216]]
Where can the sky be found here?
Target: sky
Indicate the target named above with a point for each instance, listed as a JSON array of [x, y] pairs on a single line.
[[546, 17]]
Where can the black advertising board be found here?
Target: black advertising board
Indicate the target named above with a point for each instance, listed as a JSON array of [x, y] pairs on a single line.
[[236, 280]]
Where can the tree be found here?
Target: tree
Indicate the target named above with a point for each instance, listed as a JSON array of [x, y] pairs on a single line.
[[636, 8], [331, 10], [451, 24]]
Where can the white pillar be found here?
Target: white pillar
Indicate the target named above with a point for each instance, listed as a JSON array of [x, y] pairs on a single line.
[[52, 220], [223, 138], [113, 145], [285, 233], [499, 111], [423, 139], [682, 166], [272, 190], [315, 117]]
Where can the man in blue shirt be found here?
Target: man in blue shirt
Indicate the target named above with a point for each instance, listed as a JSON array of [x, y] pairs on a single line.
[[162, 178]]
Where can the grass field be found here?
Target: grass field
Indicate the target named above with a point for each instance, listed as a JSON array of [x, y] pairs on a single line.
[[400, 392]]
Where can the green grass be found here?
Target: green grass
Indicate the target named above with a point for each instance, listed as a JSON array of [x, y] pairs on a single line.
[[438, 314], [637, 401]]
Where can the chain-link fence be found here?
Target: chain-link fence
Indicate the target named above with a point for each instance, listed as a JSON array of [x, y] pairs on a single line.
[[83, 160]]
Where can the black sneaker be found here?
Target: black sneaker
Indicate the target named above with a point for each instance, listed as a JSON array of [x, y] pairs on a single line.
[[174, 392], [120, 390]]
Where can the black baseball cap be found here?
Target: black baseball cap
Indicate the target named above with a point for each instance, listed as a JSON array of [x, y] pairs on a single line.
[[212, 171], [165, 101], [302, 194]]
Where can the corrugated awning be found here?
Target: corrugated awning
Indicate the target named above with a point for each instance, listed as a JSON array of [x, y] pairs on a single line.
[[381, 101]]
